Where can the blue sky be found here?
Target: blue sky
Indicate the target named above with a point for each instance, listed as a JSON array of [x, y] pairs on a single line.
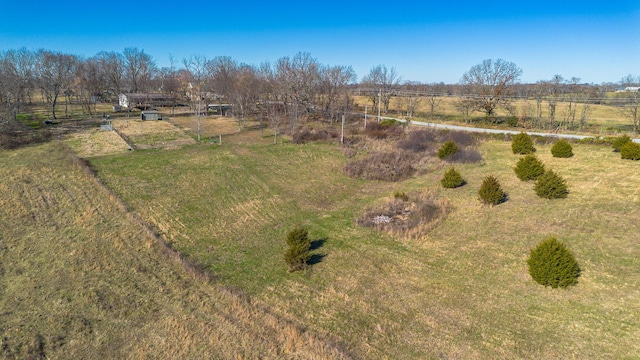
[[425, 41]]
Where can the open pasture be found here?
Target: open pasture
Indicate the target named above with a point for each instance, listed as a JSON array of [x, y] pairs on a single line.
[[81, 277], [461, 291]]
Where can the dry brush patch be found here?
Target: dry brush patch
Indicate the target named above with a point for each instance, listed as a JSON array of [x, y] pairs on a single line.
[[411, 218], [387, 166]]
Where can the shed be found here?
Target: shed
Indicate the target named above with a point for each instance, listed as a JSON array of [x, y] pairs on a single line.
[[151, 115], [220, 109]]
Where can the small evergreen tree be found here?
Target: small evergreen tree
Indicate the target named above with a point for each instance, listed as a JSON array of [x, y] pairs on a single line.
[[562, 149], [299, 251], [529, 167], [522, 144], [452, 179], [619, 142], [447, 149], [491, 192], [552, 264], [551, 186], [401, 195], [630, 151]]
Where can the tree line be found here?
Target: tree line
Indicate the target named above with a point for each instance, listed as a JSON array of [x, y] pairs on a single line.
[[286, 89]]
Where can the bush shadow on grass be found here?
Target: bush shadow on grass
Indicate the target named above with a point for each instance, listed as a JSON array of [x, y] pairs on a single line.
[[315, 245]]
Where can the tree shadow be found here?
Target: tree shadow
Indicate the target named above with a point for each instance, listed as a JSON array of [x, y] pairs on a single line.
[[315, 259], [315, 245]]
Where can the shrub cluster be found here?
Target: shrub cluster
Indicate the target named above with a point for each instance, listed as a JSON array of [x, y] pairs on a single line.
[[452, 179], [630, 151], [447, 149], [562, 149], [461, 138], [552, 264], [388, 166], [529, 167], [619, 142], [418, 141], [425, 139], [465, 156], [384, 129], [491, 192], [522, 144], [298, 252], [551, 186], [390, 123], [302, 136]]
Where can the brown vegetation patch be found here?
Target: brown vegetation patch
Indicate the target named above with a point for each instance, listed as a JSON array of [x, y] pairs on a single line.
[[96, 142], [386, 166], [384, 130], [306, 134], [428, 140], [412, 217], [151, 134]]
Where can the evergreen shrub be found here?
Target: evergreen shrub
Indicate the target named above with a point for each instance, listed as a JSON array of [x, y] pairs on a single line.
[[552, 264], [562, 149], [448, 148], [522, 144], [619, 142], [298, 252], [491, 192], [529, 167], [452, 179], [630, 151], [401, 195], [551, 186]]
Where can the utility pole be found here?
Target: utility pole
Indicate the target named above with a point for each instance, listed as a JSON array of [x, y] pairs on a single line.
[[365, 117], [379, 94], [342, 133], [199, 102]]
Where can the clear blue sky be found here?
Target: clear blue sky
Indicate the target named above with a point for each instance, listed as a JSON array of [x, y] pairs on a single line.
[[427, 41]]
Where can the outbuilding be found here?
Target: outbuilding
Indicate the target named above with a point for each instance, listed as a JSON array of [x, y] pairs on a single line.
[[151, 115]]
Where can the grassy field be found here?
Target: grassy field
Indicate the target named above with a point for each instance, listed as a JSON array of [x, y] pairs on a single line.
[[461, 291], [83, 278], [601, 119]]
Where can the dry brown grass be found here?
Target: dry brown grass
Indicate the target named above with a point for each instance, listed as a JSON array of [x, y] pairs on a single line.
[[83, 278], [151, 134], [212, 127], [96, 142]]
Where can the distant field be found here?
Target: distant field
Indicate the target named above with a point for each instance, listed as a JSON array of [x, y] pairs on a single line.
[[81, 278], [462, 291], [601, 119]]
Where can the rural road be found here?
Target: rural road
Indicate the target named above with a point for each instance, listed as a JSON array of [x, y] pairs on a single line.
[[492, 131]]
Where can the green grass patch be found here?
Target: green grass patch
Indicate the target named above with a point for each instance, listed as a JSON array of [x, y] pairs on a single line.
[[461, 290]]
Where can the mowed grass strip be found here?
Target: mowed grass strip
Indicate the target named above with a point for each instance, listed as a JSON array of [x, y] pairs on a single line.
[[82, 278], [461, 291]]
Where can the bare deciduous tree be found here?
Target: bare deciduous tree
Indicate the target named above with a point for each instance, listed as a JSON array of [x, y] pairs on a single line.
[[55, 72], [112, 65], [299, 79], [385, 81], [196, 66], [17, 68], [333, 85], [489, 82], [631, 100], [139, 69]]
